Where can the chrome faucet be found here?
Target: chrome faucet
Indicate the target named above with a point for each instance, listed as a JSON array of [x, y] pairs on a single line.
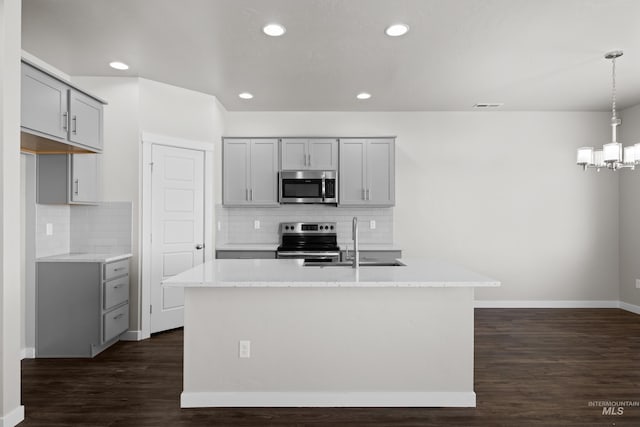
[[356, 250]]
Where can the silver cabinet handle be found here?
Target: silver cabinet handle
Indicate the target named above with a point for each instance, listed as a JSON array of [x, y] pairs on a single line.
[[304, 158], [65, 121], [368, 197], [74, 121], [246, 194], [117, 286], [118, 269], [199, 246], [364, 194], [309, 157], [118, 316], [251, 194], [77, 181]]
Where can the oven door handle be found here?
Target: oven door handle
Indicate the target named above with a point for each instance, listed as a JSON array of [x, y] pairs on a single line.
[[308, 254]]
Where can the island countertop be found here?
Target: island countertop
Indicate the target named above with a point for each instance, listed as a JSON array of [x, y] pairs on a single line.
[[235, 273]]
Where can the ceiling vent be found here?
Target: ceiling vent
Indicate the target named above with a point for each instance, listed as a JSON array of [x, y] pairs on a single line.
[[488, 104]]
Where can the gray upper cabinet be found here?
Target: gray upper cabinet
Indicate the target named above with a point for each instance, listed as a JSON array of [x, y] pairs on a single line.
[[309, 153], [53, 109], [84, 179], [85, 116], [250, 172], [367, 172], [67, 178], [44, 107]]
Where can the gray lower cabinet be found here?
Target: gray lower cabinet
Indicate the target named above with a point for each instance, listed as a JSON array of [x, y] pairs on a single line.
[[374, 255], [81, 307], [250, 172], [226, 254], [55, 110], [67, 178]]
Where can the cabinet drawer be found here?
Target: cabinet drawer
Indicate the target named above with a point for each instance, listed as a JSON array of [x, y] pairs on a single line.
[[115, 322], [115, 269], [116, 292]]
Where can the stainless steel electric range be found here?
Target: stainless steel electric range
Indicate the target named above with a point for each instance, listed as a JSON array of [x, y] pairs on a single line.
[[309, 241]]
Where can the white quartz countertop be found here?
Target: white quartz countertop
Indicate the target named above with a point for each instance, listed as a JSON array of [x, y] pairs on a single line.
[[247, 247], [225, 273], [85, 257]]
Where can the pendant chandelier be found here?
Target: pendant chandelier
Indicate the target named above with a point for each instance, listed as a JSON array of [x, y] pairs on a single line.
[[612, 155]]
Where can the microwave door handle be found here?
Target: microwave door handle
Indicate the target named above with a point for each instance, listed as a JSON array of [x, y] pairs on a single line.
[[324, 190]]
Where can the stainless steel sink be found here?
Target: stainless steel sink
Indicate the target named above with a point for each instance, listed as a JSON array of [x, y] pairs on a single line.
[[394, 263]]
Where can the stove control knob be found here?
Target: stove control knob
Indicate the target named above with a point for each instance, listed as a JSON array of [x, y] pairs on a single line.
[[331, 227], [321, 228]]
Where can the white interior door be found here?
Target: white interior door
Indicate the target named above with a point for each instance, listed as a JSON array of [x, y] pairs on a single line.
[[177, 229]]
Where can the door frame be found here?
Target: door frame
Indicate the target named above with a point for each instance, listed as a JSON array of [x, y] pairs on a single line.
[[148, 140]]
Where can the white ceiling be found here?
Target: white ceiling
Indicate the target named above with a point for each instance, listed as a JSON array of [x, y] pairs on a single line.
[[529, 54]]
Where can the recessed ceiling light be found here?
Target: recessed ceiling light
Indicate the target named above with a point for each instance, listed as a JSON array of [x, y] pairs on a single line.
[[397, 30], [245, 95], [363, 95], [119, 65], [274, 30], [488, 105]]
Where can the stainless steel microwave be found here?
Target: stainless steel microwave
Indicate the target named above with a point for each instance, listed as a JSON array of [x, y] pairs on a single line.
[[309, 187]]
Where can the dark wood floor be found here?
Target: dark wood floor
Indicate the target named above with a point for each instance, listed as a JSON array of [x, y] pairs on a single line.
[[533, 367]]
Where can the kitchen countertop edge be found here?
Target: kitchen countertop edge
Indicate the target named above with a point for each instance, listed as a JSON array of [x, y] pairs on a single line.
[[85, 257]]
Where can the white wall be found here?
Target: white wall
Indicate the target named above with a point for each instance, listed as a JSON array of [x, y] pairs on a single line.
[[498, 192], [11, 412], [139, 105], [630, 214], [181, 113]]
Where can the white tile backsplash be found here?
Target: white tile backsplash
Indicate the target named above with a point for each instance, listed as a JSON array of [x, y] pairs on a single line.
[[237, 223], [104, 228], [59, 216]]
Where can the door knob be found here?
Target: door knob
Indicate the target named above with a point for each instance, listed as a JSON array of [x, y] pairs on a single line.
[[199, 246]]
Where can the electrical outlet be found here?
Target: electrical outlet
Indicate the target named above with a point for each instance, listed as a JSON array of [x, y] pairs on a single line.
[[244, 349], [638, 283], [49, 229], [372, 224], [256, 224]]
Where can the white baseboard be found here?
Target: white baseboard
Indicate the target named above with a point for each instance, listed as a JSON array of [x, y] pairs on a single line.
[[630, 307], [546, 304], [329, 399], [132, 336], [28, 353], [13, 418]]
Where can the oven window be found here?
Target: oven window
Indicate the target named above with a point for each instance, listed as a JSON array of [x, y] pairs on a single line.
[[301, 188]]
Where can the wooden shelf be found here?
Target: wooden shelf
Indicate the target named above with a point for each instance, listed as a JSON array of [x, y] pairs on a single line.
[[34, 144]]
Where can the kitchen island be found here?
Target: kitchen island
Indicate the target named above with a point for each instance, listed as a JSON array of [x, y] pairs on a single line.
[[278, 333]]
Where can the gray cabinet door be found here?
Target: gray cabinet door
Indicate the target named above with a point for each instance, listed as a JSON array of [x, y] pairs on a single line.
[[235, 172], [264, 172], [352, 174], [43, 104], [323, 154], [84, 178], [380, 172], [367, 172], [85, 123], [295, 154]]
